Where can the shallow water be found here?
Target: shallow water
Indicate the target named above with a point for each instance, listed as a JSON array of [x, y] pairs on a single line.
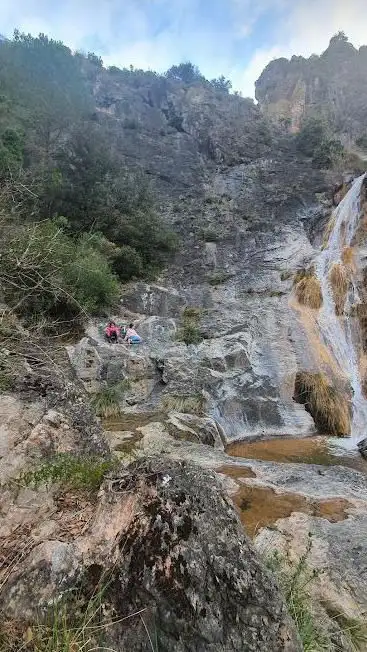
[[131, 421], [261, 506], [327, 451]]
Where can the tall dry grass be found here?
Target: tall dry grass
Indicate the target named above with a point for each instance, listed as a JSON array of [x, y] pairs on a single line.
[[339, 280], [348, 256], [329, 407], [308, 292]]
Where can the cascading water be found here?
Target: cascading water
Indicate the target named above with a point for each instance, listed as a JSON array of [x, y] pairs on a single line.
[[337, 331]]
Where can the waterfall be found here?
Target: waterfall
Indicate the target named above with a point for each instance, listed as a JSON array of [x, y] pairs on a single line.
[[336, 331]]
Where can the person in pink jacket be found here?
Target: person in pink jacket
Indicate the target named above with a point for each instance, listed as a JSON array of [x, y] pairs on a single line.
[[112, 331]]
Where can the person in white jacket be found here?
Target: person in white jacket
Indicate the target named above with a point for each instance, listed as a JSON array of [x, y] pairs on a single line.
[[131, 336]]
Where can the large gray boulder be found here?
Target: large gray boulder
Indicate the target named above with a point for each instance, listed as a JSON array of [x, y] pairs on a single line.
[[186, 560], [168, 545]]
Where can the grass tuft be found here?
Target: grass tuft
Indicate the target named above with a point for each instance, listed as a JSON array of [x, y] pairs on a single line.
[[340, 283], [294, 581], [192, 404], [328, 406], [308, 291], [72, 624], [107, 403], [329, 227]]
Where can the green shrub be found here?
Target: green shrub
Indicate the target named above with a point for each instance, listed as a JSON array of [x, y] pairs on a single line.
[[190, 332], [90, 277], [45, 272], [221, 84], [72, 471], [185, 72], [209, 234], [314, 141], [11, 151], [107, 403], [310, 136], [128, 263], [326, 153], [191, 313], [219, 277], [362, 141]]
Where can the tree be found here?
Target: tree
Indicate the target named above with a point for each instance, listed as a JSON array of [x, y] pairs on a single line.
[[44, 82], [339, 37], [222, 84], [43, 272], [310, 136], [95, 59], [186, 72]]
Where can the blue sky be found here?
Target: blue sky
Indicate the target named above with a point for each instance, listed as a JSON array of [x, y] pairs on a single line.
[[236, 38]]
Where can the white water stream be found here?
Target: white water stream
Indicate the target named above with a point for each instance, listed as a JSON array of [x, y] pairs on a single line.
[[337, 332]]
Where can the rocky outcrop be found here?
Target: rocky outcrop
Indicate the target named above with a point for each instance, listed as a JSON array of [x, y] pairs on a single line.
[[235, 268], [171, 549], [331, 86], [335, 556]]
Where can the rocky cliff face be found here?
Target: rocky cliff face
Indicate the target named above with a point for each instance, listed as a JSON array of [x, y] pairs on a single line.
[[245, 207], [331, 86]]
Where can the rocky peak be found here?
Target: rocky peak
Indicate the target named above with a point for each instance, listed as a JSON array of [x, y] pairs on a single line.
[[331, 85]]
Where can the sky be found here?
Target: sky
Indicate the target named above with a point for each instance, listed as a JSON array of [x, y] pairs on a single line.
[[236, 38]]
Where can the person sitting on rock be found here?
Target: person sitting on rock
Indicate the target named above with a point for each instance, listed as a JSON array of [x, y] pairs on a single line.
[[112, 332], [131, 336]]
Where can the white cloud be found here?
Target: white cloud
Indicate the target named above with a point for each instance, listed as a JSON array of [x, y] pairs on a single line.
[[157, 33]]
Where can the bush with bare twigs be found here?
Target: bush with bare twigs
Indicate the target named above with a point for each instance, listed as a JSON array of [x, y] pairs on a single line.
[[45, 272]]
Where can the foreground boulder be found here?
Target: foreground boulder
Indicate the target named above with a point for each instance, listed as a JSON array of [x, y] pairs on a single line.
[[177, 565], [362, 447]]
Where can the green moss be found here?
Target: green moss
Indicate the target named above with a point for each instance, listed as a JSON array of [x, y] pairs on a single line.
[[219, 277], [83, 472]]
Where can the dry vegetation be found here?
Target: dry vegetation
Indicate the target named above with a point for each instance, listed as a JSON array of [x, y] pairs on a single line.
[[348, 256], [328, 406], [339, 280], [192, 404], [329, 227], [308, 289]]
